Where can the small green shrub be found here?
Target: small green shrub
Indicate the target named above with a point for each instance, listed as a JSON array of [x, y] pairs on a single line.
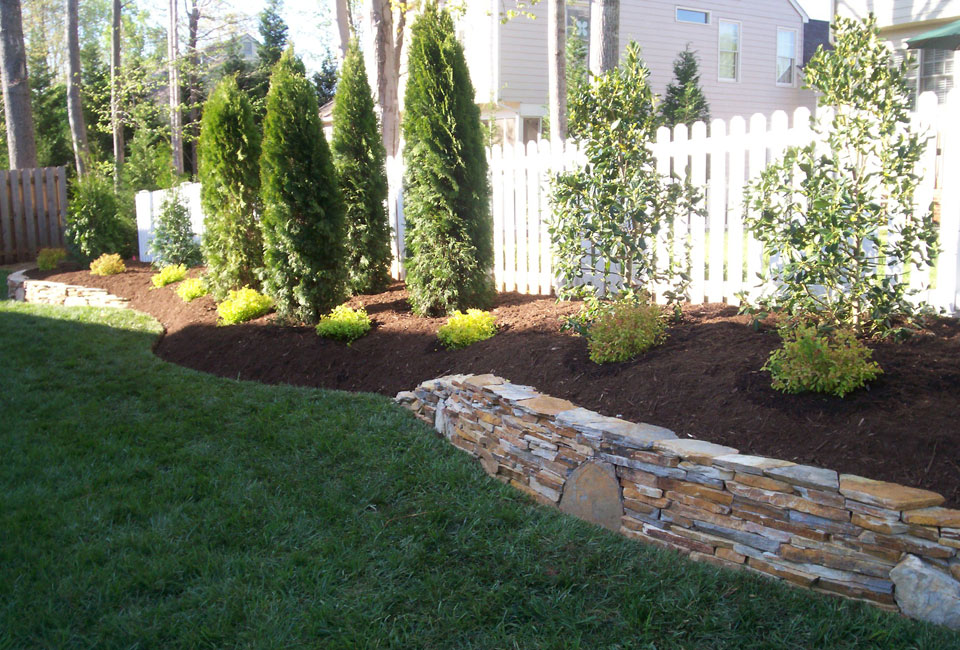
[[169, 275], [49, 258], [192, 288], [462, 329], [623, 329], [344, 324], [243, 305], [108, 264], [809, 360], [96, 223], [173, 240]]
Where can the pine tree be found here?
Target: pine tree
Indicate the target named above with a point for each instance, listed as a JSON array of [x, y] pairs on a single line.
[[303, 217], [325, 81], [449, 235], [229, 151], [359, 157], [684, 102], [273, 34]]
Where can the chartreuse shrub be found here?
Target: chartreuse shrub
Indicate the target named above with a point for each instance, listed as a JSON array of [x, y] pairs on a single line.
[[462, 329], [839, 214], [618, 200], [303, 222], [344, 324], [108, 264], [173, 239], [169, 275], [624, 328], [229, 152], [243, 305], [49, 258], [359, 158], [835, 363], [192, 288], [95, 221], [449, 235]]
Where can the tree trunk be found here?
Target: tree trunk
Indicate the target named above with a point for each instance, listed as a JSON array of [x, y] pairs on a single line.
[[78, 128], [193, 82], [604, 36], [557, 69], [173, 81], [115, 94], [386, 66], [21, 142], [343, 26]]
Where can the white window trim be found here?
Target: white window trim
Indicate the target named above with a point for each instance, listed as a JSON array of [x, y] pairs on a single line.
[[739, 25], [796, 45], [687, 22]]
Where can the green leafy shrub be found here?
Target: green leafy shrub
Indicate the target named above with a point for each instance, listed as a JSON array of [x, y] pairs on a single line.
[[809, 360], [49, 258], [95, 222], [623, 329], [243, 305], [173, 239], [449, 235], [462, 329], [684, 101], [169, 275], [108, 264], [192, 288], [344, 324]]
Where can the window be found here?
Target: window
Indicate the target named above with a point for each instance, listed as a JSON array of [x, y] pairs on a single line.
[[936, 72], [693, 16], [729, 68], [786, 56]]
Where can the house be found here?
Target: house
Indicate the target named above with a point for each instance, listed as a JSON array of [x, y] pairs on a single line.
[[750, 54], [901, 20]]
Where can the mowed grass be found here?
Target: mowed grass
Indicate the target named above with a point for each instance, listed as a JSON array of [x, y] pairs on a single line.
[[146, 505]]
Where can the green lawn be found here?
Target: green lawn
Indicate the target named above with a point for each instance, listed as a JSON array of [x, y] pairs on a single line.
[[146, 505]]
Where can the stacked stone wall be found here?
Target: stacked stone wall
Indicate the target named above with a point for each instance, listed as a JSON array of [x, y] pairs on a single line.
[[20, 287]]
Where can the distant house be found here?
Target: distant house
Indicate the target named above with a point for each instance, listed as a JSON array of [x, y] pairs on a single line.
[[750, 54], [900, 20]]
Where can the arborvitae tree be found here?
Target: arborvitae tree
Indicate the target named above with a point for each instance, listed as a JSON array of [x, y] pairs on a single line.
[[685, 102], [449, 230], [359, 157], [303, 220], [229, 151]]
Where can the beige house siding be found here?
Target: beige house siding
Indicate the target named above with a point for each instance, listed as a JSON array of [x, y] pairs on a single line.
[[892, 13]]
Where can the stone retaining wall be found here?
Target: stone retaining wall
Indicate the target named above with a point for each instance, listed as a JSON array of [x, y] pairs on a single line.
[[22, 288], [883, 543]]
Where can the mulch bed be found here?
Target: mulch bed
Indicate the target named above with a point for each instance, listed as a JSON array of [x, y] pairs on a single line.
[[704, 382]]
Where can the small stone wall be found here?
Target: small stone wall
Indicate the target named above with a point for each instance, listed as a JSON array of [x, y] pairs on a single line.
[[883, 543], [22, 288]]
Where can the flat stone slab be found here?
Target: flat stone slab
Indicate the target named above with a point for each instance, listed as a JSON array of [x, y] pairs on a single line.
[[699, 451], [637, 435], [749, 464], [806, 476], [513, 392], [941, 517], [887, 495], [592, 492], [479, 381], [926, 592], [545, 405]]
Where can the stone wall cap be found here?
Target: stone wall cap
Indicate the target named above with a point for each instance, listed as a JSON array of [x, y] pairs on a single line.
[[695, 450], [888, 495], [479, 381], [936, 516], [545, 405], [806, 476], [615, 430], [749, 464], [513, 392]]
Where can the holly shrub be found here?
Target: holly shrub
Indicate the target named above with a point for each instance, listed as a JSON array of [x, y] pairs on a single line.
[[169, 275], [344, 324], [243, 305], [49, 258], [835, 363], [623, 329], [108, 264], [192, 288], [462, 329]]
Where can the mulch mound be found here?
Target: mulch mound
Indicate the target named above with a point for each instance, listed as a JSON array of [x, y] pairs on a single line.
[[704, 382]]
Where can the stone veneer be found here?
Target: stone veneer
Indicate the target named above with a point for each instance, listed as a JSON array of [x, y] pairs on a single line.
[[22, 288], [883, 543]]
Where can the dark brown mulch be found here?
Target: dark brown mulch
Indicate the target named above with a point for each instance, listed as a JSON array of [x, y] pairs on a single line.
[[704, 382]]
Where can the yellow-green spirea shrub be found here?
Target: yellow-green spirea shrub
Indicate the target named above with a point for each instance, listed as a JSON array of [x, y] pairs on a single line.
[[169, 275], [192, 288], [462, 329], [344, 324], [812, 361], [624, 329], [49, 258], [108, 264], [243, 305]]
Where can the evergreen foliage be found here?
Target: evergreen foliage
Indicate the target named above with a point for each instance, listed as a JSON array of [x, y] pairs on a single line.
[[359, 158], [685, 102], [449, 234], [326, 80], [229, 150], [95, 223], [273, 34], [48, 101], [303, 217], [173, 239]]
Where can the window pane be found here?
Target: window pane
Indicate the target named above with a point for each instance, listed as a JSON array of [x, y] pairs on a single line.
[[729, 36], [784, 70], [728, 65], [786, 43], [692, 16]]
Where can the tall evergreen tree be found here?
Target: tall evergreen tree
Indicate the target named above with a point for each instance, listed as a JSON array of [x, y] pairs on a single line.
[[685, 102], [449, 230], [303, 218], [273, 34], [229, 150], [359, 158], [325, 81]]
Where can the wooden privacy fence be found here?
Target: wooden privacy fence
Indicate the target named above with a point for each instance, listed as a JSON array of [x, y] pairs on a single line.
[[33, 212]]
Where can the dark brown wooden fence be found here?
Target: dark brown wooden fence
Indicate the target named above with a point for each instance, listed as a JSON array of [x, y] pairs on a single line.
[[33, 212]]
